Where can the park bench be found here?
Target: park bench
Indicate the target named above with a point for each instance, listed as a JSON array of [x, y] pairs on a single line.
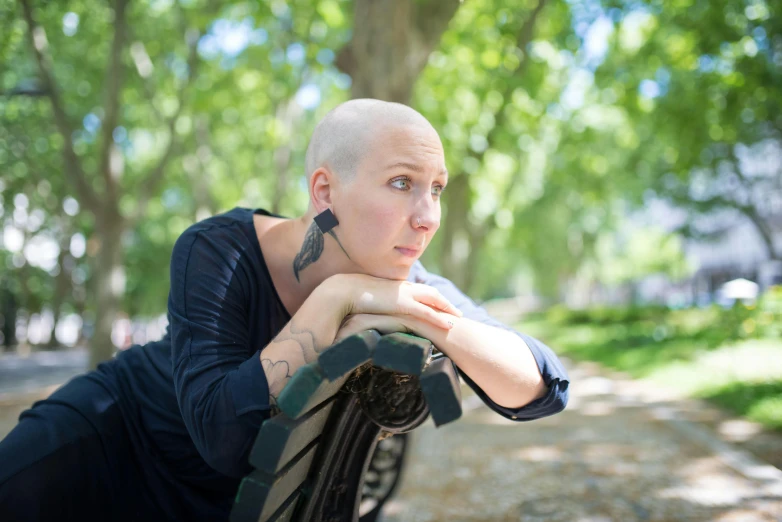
[[321, 459]]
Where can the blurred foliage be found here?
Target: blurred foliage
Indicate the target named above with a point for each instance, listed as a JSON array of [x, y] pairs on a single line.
[[721, 354], [559, 118], [697, 83], [636, 325], [758, 401]]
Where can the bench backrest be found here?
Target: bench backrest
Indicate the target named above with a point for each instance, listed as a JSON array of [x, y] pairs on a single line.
[[309, 459]]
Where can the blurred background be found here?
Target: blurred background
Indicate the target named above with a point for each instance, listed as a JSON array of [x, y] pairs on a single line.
[[616, 166]]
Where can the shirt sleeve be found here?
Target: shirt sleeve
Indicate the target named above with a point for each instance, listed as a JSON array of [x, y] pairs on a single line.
[[551, 369], [220, 385]]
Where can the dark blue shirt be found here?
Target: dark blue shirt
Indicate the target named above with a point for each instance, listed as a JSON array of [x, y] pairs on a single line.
[[201, 395]]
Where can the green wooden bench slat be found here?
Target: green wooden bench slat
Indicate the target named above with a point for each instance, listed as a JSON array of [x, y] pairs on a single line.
[[285, 513], [440, 384], [307, 388], [403, 353], [348, 354], [261, 495], [281, 438]]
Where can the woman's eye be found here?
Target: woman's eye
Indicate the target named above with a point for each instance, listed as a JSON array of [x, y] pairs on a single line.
[[437, 190], [402, 180]]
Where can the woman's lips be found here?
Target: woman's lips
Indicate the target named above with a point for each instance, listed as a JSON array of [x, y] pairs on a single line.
[[407, 252]]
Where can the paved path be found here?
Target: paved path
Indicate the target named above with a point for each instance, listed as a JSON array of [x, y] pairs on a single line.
[[24, 380], [618, 453], [21, 375]]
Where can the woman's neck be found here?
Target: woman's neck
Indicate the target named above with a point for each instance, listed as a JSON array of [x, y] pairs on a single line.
[[281, 241]]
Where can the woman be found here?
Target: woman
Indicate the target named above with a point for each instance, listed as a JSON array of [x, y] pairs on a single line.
[[163, 431]]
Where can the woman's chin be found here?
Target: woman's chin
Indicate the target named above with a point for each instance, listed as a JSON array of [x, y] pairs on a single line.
[[397, 272]]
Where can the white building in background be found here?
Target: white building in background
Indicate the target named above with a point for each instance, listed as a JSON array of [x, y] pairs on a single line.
[[738, 252], [741, 253]]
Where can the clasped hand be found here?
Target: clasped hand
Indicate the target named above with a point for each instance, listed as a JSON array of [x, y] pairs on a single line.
[[390, 306]]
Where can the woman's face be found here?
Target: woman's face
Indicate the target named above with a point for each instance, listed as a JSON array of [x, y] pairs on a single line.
[[397, 183]]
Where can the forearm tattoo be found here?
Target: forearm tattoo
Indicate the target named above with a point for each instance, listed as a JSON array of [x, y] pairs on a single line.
[[278, 373], [312, 249]]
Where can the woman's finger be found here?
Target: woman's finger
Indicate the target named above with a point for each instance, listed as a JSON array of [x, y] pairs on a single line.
[[438, 319], [433, 298]]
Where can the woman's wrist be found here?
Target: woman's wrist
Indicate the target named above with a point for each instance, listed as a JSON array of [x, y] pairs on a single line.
[[338, 294]]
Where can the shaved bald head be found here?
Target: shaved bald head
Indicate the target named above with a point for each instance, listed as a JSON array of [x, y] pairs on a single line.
[[379, 167], [345, 134]]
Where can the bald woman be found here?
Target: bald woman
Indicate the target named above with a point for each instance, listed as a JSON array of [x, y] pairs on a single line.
[[163, 431]]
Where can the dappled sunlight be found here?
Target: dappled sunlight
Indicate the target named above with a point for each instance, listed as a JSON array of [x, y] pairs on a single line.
[[538, 454], [707, 483], [738, 430], [596, 409], [630, 462]]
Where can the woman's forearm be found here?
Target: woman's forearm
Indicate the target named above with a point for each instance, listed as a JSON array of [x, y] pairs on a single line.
[[311, 330], [498, 361]]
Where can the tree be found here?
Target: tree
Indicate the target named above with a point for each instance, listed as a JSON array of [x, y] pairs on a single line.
[[161, 134], [703, 107], [94, 164], [391, 45]]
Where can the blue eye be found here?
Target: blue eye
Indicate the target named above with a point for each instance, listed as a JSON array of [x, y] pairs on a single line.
[[437, 190], [401, 180]]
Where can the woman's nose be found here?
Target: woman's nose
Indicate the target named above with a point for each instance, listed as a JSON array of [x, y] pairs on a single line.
[[427, 217]]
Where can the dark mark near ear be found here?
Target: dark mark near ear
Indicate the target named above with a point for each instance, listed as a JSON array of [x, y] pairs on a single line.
[[332, 234]]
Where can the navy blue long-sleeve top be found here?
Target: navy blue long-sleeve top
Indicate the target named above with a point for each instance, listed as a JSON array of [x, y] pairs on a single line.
[[223, 310]]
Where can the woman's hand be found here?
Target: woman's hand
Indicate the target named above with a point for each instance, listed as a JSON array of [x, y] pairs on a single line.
[[385, 324], [386, 297]]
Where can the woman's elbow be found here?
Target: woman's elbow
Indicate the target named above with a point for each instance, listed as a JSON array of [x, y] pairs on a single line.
[[559, 398], [553, 402], [229, 465], [227, 453], [224, 442]]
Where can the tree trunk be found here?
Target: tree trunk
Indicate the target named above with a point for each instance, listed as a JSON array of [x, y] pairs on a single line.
[[392, 40], [62, 283], [472, 264], [8, 311], [765, 232], [462, 265], [454, 229], [109, 287]]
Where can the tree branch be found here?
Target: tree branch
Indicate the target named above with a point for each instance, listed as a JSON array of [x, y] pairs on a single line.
[[32, 92], [432, 18], [73, 169], [152, 181], [114, 77], [751, 211], [525, 36]]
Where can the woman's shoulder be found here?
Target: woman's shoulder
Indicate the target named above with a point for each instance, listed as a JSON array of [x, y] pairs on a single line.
[[235, 216], [226, 231]]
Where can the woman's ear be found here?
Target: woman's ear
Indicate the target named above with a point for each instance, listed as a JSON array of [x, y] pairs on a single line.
[[320, 188]]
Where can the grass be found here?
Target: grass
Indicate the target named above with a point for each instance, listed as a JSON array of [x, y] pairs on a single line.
[[758, 401], [722, 356]]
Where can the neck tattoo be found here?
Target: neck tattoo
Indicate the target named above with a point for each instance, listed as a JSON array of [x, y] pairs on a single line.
[[312, 249]]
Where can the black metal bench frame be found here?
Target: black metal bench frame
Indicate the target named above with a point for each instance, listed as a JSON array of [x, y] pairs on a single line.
[[312, 460]]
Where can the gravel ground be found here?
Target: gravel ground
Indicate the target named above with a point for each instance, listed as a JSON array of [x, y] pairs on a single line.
[[618, 453]]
